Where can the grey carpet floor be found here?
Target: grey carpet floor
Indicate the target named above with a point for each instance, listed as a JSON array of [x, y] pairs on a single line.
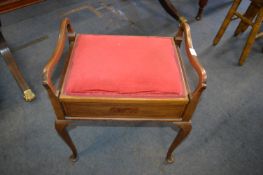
[[227, 125]]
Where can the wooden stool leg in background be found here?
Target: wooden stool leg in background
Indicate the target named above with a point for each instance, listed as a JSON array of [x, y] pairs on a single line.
[[226, 22], [251, 37], [61, 127], [250, 15], [202, 4], [9, 59], [170, 9], [185, 129]]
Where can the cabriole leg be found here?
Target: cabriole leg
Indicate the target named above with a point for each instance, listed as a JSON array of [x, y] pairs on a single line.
[[61, 127], [185, 129]]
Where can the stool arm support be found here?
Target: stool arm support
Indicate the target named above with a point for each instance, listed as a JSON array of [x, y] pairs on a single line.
[[192, 56], [65, 32], [185, 34]]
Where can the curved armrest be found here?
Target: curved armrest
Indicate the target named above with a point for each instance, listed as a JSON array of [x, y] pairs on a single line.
[[65, 28], [192, 56]]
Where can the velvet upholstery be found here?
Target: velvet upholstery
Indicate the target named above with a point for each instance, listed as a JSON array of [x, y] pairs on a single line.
[[126, 66]]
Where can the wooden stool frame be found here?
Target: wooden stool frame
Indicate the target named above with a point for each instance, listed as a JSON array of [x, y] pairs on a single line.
[[255, 10], [71, 108]]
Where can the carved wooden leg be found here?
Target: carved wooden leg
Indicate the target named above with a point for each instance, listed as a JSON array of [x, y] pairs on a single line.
[[8, 57], [183, 133], [226, 22], [170, 9], [202, 4], [250, 14], [252, 37], [61, 127]]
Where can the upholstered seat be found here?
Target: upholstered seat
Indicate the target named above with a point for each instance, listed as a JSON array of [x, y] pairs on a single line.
[[124, 66]]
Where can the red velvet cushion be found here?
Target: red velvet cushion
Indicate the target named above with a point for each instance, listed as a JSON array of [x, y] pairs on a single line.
[[106, 65]]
